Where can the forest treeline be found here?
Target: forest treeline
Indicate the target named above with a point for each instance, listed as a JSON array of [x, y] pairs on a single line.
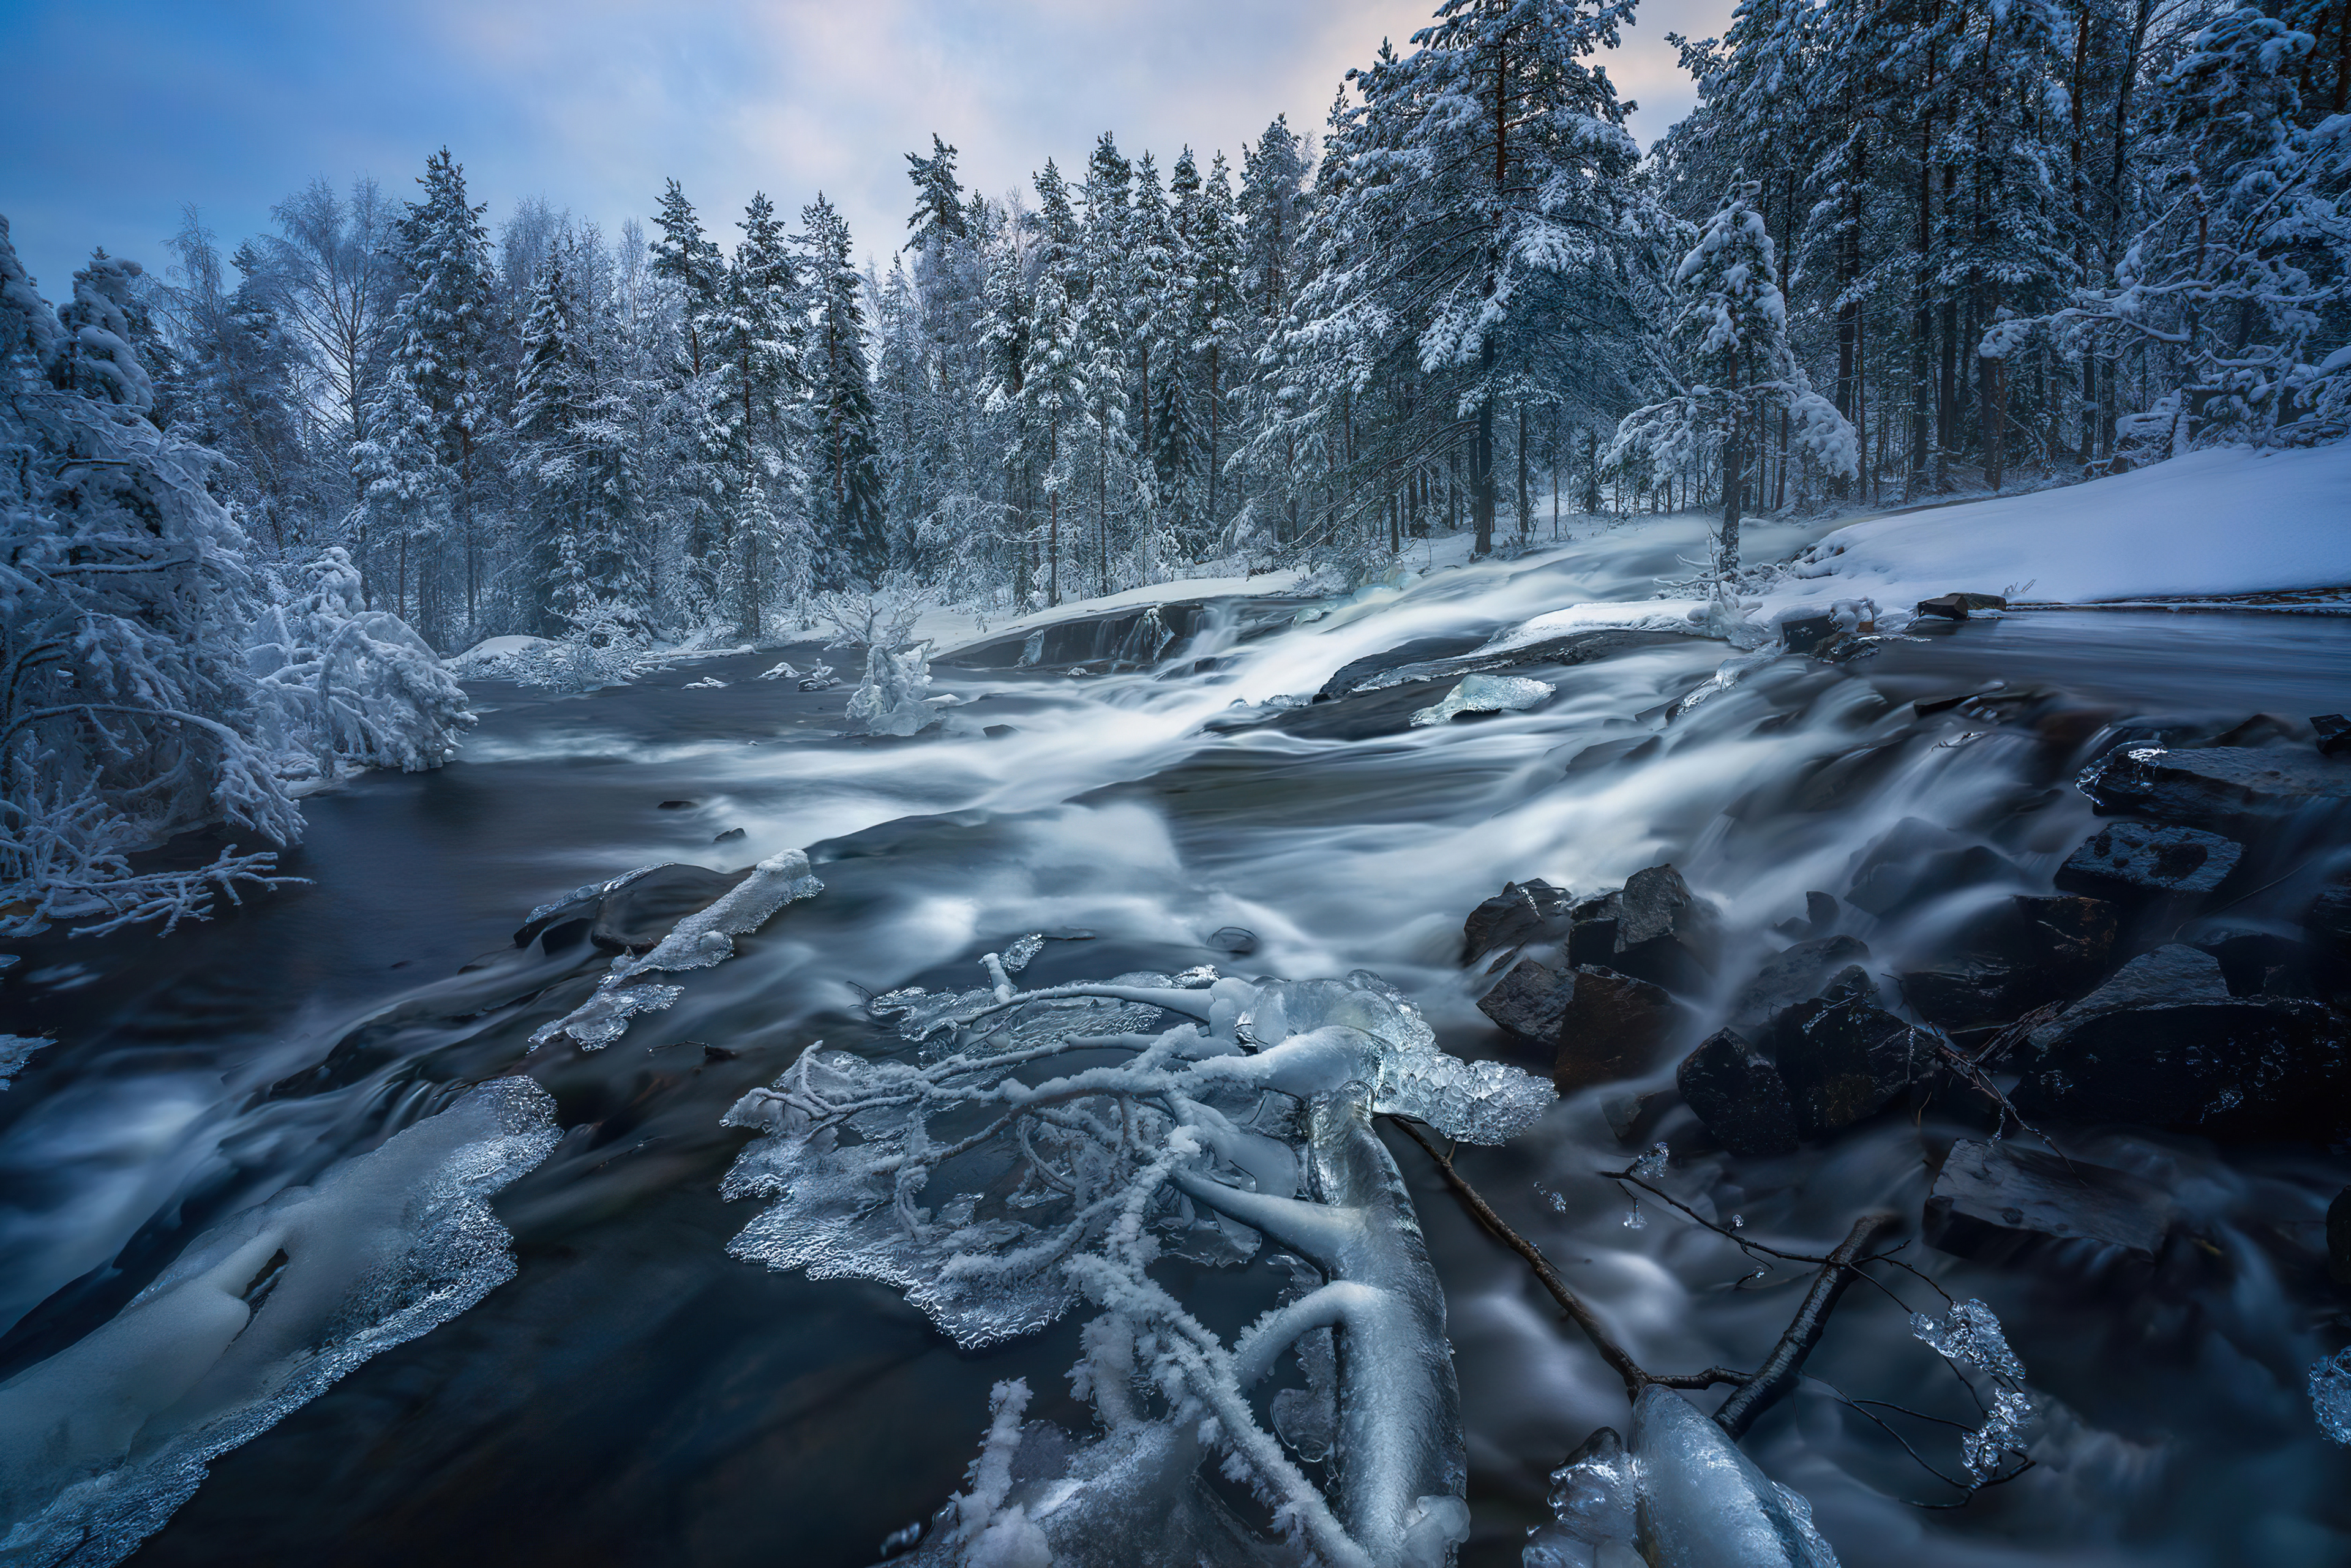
[[1900, 247]]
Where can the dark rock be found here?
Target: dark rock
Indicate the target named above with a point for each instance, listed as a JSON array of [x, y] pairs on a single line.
[[562, 934], [2334, 733], [2214, 784], [2164, 1044], [1822, 912], [1794, 975], [1632, 1117], [677, 805], [1613, 1026], [1804, 633], [2259, 963], [1523, 911], [1420, 650], [718, 1053], [2261, 729], [1994, 1201], [2338, 1237], [2140, 857], [1238, 940], [1739, 1095], [1665, 933], [1842, 1057], [729, 836], [1591, 937], [635, 916], [2021, 954], [1892, 883], [998, 731], [1603, 754], [1530, 1001], [1959, 606]]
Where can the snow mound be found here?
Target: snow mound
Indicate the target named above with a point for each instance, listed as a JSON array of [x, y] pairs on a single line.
[[2231, 520]]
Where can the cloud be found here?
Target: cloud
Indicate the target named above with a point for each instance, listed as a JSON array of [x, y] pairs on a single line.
[[593, 103]]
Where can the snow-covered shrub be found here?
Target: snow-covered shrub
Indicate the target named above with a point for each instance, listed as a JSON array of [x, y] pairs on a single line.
[[343, 684], [887, 614], [1022, 1153], [895, 699], [127, 714]]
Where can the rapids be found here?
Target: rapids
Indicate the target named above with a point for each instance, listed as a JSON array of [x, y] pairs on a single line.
[[635, 1396]]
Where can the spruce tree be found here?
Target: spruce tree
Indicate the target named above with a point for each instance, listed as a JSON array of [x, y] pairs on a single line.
[[846, 473]]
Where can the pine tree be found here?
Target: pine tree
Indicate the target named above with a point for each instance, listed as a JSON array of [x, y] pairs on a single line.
[[846, 470], [573, 458], [754, 343]]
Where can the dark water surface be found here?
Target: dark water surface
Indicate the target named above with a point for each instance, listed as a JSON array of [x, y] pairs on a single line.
[[635, 1397]]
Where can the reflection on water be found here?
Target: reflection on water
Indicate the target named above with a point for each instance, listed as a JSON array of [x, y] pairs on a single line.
[[635, 1397]]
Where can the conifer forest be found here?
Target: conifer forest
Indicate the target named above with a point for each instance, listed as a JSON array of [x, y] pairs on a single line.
[[1467, 830]]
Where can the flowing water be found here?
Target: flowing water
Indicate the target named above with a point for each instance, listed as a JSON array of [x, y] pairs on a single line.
[[634, 1395]]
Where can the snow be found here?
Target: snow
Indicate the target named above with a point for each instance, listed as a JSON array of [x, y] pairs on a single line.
[[2230, 521], [1486, 693]]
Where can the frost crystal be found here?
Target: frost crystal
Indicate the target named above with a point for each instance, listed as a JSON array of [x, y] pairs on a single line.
[[1652, 1165], [2330, 1394], [1633, 1219]]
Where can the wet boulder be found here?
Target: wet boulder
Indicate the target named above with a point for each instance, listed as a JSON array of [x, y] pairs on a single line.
[[1523, 911], [1738, 1093], [2142, 859], [1994, 1201], [1530, 1001], [2258, 963], [1665, 934], [1795, 975], [635, 916], [1959, 606], [2333, 732], [2020, 953], [1611, 1027], [2164, 1044], [1843, 1057], [1807, 633], [2214, 784]]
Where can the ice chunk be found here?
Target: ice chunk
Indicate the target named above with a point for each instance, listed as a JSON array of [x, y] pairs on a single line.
[[1700, 1502], [2330, 1394], [780, 672], [16, 1051], [258, 1316], [1486, 693], [708, 683], [1016, 956], [1971, 1336]]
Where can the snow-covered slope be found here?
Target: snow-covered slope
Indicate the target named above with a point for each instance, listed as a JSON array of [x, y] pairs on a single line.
[[2225, 521]]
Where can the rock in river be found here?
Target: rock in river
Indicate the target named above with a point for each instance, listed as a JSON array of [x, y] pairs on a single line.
[[2142, 858], [1994, 1201], [2216, 783], [1736, 1091]]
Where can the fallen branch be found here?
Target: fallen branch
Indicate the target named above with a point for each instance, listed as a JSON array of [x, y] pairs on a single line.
[[1777, 1376], [1619, 1360]]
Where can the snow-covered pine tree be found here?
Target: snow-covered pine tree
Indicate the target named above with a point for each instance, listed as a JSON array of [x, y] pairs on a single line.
[[1052, 391], [1102, 287], [754, 343], [438, 397], [846, 472], [572, 456], [124, 598]]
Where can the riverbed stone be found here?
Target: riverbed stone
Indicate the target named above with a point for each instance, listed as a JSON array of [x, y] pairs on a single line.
[[1523, 911], [1995, 1201], [2334, 733], [2145, 858], [1795, 975], [635, 916], [1613, 1026], [2021, 953], [1530, 1001], [2164, 1044], [1843, 1057], [1738, 1093], [2216, 783], [1665, 934]]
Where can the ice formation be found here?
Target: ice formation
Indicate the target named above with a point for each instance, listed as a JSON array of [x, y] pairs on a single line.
[[1970, 1337], [2330, 1394], [102, 1441], [701, 939], [1023, 1152], [1682, 1497], [1486, 693], [16, 1051], [895, 696]]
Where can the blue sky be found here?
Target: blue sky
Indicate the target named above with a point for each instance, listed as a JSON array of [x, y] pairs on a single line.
[[116, 113]]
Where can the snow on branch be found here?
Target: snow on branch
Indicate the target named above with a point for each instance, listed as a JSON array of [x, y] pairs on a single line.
[[1022, 1151]]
